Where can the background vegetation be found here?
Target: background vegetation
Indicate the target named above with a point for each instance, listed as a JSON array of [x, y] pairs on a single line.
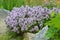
[[9, 4]]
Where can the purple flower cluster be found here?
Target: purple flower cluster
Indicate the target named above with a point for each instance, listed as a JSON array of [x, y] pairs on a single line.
[[57, 10], [27, 18]]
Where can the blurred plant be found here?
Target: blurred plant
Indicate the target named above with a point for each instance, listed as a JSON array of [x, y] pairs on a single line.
[[10, 36], [57, 2], [54, 26], [27, 19], [51, 32], [49, 4], [31, 19], [33, 2], [9, 4], [55, 22]]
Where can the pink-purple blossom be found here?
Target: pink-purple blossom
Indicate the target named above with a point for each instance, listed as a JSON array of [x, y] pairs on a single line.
[[21, 19]]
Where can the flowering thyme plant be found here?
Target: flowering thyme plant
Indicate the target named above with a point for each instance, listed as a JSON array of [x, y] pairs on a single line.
[[27, 19]]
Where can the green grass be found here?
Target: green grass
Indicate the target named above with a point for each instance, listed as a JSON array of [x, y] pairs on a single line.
[[9, 4], [54, 27], [9, 37]]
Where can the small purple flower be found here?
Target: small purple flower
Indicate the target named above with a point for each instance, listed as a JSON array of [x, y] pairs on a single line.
[[21, 19]]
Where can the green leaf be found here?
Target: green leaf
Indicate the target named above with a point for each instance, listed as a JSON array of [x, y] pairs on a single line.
[[54, 22], [51, 32], [52, 14]]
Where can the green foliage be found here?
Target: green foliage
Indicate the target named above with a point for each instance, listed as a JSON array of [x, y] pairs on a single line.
[[51, 32], [54, 27], [55, 22], [9, 4], [10, 36], [53, 14], [57, 35], [50, 6], [4, 37]]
